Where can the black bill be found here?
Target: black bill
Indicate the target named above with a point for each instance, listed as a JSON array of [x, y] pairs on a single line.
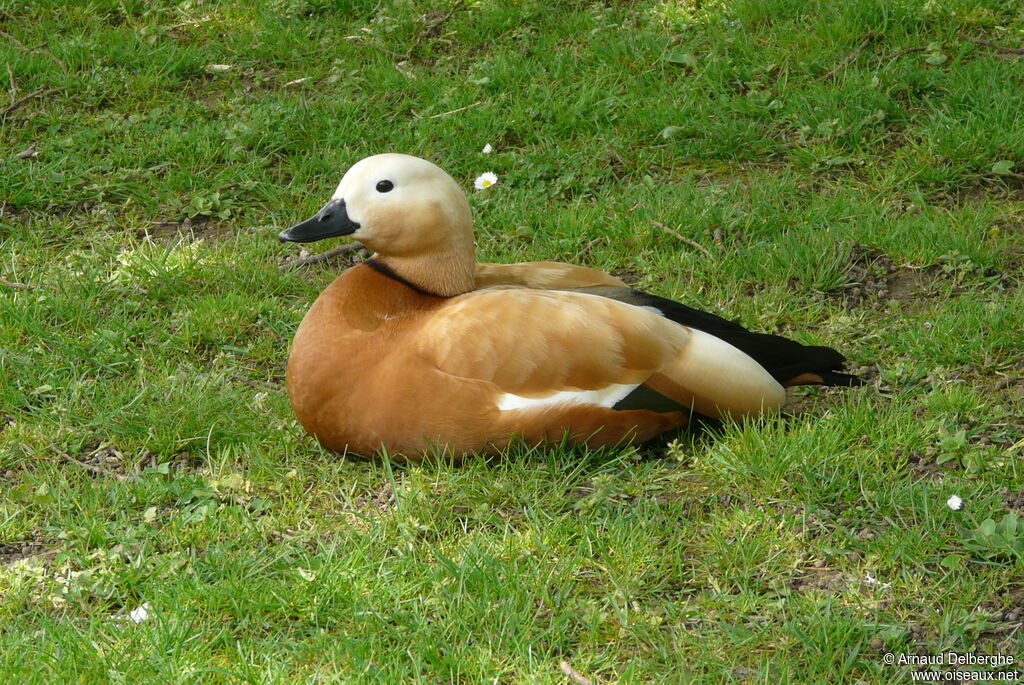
[[332, 220]]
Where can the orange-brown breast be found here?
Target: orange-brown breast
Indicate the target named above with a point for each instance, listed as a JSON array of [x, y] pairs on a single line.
[[356, 384]]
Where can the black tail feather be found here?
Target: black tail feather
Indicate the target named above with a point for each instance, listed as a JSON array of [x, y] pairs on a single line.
[[789, 362]]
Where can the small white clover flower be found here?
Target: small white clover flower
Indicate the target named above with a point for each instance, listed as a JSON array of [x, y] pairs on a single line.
[[871, 580], [954, 502], [487, 149], [485, 180]]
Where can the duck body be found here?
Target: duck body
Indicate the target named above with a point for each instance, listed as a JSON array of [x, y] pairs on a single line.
[[403, 383], [421, 349]]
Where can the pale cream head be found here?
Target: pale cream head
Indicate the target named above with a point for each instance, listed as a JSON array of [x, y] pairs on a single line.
[[405, 206]]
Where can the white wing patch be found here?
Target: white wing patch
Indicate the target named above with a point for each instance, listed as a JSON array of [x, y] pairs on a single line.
[[605, 397]]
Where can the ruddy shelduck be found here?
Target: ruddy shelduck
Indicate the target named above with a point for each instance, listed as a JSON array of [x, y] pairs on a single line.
[[421, 348]]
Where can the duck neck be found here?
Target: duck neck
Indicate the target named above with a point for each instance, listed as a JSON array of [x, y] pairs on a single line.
[[444, 273]]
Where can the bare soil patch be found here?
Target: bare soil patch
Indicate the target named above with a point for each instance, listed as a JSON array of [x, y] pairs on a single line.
[[1006, 618], [11, 552], [982, 188], [872, 278], [382, 499], [821, 579], [1014, 501], [922, 464]]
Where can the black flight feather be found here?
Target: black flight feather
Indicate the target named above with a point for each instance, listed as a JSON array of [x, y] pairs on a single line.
[[786, 360]]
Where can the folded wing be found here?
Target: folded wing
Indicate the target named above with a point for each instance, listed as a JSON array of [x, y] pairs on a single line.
[[541, 347]]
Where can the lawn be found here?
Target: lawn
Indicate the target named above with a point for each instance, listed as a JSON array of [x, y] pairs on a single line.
[[844, 173]]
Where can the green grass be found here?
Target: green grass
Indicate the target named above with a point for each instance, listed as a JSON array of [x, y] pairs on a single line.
[[867, 200]]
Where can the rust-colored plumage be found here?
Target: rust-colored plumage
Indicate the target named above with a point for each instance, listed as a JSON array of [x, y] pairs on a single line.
[[422, 348]]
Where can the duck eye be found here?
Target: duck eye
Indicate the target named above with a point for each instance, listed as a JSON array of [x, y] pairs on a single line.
[[384, 186]]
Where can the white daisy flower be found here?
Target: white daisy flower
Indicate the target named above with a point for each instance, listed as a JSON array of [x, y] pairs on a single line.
[[954, 502], [141, 614], [485, 180], [135, 615], [487, 149]]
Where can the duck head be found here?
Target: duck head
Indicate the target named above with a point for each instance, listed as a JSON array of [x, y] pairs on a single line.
[[410, 213]]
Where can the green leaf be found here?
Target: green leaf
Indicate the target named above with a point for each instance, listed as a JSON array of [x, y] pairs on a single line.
[[670, 132], [937, 58], [38, 496], [42, 495], [232, 481], [1002, 167], [987, 528], [681, 57], [952, 561], [162, 469], [873, 118], [828, 127], [1008, 526], [840, 161]]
